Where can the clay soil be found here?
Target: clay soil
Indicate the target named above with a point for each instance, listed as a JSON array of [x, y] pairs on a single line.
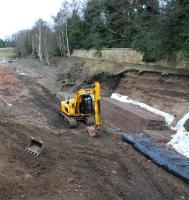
[[72, 165]]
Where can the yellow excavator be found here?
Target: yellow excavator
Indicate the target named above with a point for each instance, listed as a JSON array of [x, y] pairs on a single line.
[[85, 106]]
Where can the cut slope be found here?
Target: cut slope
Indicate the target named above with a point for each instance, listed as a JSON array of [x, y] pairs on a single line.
[[169, 93], [129, 117]]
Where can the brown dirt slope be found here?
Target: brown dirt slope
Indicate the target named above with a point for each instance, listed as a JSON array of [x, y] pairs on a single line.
[[73, 165], [130, 118], [169, 93]]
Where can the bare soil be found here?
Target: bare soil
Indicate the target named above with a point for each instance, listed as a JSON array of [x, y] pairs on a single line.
[[167, 92], [72, 165], [130, 118]]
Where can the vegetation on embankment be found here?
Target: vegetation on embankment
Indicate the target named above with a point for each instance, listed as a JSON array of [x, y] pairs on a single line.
[[79, 71]]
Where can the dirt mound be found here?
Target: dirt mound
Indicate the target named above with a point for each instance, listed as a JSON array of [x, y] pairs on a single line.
[[10, 86], [6, 77]]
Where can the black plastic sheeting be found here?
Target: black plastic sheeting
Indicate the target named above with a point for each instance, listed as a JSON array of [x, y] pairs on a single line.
[[166, 158]]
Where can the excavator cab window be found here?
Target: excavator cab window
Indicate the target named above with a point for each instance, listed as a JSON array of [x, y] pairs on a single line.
[[86, 105]]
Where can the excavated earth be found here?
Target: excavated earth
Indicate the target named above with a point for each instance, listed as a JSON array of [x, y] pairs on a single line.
[[168, 92], [72, 165]]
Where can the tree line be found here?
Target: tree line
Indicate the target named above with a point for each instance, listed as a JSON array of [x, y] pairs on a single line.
[[158, 28], [6, 43]]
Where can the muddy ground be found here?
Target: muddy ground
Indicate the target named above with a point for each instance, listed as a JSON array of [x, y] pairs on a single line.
[[72, 165]]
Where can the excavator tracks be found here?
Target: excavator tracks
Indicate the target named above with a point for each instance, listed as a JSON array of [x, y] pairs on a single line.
[[90, 121], [70, 121]]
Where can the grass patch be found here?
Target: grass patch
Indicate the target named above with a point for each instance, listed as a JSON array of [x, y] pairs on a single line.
[[7, 53]]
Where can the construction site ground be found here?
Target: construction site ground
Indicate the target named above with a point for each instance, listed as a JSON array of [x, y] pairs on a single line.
[[72, 165]]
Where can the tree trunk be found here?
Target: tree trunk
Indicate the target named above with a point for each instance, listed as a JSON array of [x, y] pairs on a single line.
[[40, 43], [59, 43], [46, 52], [67, 41], [33, 46], [63, 42]]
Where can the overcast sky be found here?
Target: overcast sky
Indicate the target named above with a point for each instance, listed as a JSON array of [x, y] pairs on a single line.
[[16, 15]]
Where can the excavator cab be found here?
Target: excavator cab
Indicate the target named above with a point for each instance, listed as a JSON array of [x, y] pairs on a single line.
[[86, 105]]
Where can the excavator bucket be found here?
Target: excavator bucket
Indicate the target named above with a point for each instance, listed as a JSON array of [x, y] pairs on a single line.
[[93, 132], [35, 146]]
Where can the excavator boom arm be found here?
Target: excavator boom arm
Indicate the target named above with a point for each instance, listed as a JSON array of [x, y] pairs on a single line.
[[97, 104]]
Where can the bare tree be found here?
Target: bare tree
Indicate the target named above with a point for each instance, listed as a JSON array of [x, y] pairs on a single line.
[[39, 25], [62, 26], [23, 42], [60, 35], [67, 40], [42, 41]]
